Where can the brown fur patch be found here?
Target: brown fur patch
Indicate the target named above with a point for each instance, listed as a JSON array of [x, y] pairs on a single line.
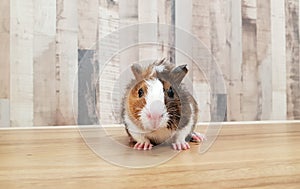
[[136, 103], [173, 106]]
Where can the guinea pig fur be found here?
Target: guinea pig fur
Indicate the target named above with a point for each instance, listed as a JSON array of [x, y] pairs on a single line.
[[157, 108]]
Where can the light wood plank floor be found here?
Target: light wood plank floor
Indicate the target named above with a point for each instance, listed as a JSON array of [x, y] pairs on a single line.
[[244, 156]]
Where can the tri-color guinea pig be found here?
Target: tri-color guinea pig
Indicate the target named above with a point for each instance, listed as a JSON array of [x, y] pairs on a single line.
[[157, 108]]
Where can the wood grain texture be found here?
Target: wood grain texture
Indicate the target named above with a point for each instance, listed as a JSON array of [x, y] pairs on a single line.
[[87, 87], [234, 40], [292, 58], [87, 23], [250, 96], [163, 17], [183, 47], [4, 48], [148, 13], [201, 21], [279, 107], [264, 59], [172, 13], [44, 62], [21, 63], [66, 62], [88, 72], [244, 156], [109, 21], [4, 63], [4, 113], [218, 38], [201, 30]]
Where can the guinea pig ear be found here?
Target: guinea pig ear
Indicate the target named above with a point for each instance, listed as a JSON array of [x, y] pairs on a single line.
[[137, 71], [179, 73], [160, 62]]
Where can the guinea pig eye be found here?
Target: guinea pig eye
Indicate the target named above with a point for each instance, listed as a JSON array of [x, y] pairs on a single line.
[[170, 92], [141, 92]]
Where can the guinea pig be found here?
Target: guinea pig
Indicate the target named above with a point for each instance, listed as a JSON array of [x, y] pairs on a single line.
[[157, 108]]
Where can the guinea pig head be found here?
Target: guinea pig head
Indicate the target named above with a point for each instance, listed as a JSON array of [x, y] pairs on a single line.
[[147, 100]]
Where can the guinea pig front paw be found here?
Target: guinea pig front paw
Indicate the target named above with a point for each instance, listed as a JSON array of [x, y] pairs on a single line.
[[181, 146], [143, 146], [197, 137]]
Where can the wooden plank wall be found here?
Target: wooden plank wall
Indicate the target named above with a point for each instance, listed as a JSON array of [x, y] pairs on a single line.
[[264, 59], [4, 62], [109, 93], [44, 62], [292, 58], [201, 29], [50, 50], [234, 86], [218, 36], [250, 83], [21, 62], [87, 61], [66, 60], [278, 43]]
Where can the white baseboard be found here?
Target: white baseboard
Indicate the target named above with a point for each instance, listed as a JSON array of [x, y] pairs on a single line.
[[121, 125]]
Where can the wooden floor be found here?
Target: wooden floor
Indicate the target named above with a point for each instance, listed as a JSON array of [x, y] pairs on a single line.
[[244, 156]]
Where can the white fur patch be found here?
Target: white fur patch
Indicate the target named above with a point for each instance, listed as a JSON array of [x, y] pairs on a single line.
[[131, 126], [154, 97], [155, 91], [160, 68]]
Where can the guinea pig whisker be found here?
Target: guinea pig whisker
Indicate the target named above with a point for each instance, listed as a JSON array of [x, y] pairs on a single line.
[[174, 111], [175, 115]]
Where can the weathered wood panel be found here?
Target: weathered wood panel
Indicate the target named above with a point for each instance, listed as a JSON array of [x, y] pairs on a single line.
[[87, 87], [66, 61], [183, 23], [21, 63], [88, 71], [164, 17], [4, 48], [201, 29], [148, 13], [292, 58], [172, 35], [87, 23], [4, 113], [278, 60], [218, 32], [250, 89], [109, 101], [44, 62], [234, 43], [264, 61], [128, 12], [4, 62]]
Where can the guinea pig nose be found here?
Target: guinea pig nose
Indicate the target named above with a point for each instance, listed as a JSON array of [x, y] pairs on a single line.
[[157, 109]]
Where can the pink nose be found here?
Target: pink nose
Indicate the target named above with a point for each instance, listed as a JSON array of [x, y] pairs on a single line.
[[154, 116], [156, 110]]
